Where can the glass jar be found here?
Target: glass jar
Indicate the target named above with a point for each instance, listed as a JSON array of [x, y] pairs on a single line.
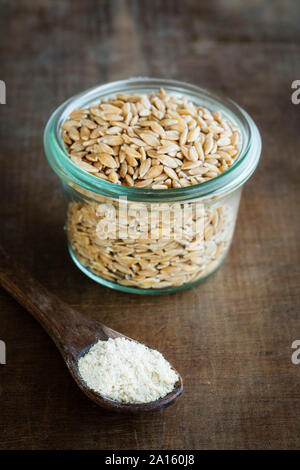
[[147, 240]]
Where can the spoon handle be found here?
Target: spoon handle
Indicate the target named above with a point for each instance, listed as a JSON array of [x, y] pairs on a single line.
[[64, 324]]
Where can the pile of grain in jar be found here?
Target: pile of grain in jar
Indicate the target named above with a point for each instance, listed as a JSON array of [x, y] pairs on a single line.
[[154, 141]]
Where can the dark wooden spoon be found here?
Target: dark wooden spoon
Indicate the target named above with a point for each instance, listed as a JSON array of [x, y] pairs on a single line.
[[72, 333]]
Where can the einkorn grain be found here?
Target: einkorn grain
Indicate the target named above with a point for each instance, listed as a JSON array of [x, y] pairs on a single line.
[[146, 262], [155, 141]]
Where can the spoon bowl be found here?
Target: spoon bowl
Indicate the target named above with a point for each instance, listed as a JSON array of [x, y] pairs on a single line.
[[120, 407], [73, 333]]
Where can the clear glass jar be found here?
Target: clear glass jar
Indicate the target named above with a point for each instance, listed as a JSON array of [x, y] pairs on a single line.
[[146, 240]]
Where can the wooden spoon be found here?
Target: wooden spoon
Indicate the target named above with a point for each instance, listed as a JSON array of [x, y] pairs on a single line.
[[72, 333]]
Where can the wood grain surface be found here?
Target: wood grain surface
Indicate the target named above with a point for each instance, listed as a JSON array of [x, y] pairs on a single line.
[[230, 337]]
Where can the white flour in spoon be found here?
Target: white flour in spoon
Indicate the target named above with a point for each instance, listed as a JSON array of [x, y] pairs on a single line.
[[126, 371]]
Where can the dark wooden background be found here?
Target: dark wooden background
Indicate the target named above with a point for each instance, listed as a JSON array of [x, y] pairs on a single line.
[[230, 337]]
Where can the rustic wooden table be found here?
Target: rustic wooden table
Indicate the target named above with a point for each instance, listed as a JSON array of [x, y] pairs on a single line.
[[230, 337]]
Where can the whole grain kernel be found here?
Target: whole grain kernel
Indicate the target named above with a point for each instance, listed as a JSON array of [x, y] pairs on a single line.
[[159, 142], [156, 128]]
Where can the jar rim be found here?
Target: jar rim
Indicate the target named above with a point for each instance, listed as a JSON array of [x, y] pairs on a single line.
[[227, 181]]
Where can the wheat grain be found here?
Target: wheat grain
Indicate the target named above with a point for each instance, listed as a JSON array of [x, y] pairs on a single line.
[[148, 260], [156, 141], [157, 128]]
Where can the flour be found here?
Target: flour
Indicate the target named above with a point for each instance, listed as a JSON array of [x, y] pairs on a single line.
[[126, 371]]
